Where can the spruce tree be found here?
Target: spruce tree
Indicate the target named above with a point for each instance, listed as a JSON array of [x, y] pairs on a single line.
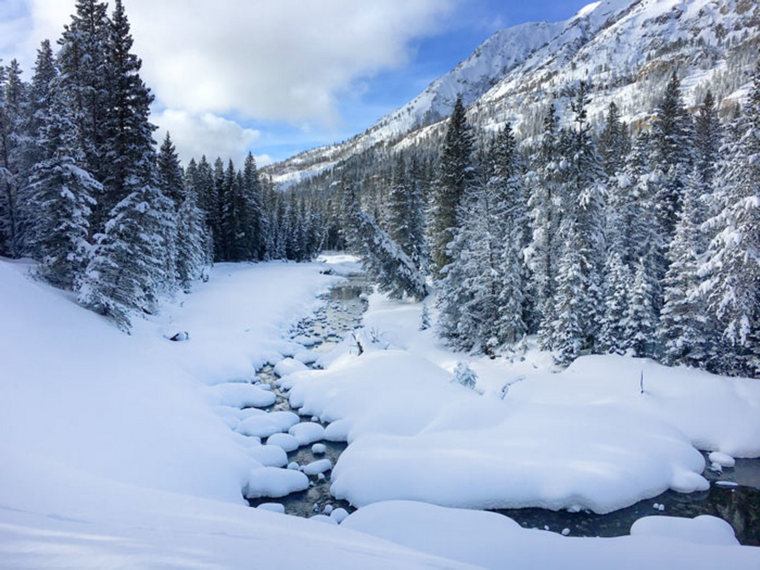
[[545, 214], [672, 145], [61, 192], [641, 318], [12, 115], [617, 283], [454, 176], [252, 218], [681, 328], [732, 266], [613, 142]]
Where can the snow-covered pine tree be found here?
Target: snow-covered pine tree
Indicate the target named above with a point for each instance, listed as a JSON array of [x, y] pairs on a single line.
[[617, 282], [404, 223], [732, 266], [61, 193], [614, 143], [578, 301], [85, 63], [672, 138], [641, 319], [129, 158], [455, 174], [252, 218], [127, 267], [681, 328], [470, 286], [511, 223], [193, 252], [544, 212], [384, 260], [707, 139], [12, 119]]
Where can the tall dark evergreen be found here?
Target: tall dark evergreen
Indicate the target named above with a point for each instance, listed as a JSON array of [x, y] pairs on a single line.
[[614, 143], [61, 192], [12, 115], [454, 176]]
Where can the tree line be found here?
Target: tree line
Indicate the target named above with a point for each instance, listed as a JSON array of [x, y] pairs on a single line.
[[596, 243], [86, 193]]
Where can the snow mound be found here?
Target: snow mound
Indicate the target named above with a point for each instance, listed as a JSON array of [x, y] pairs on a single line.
[[265, 425], [317, 467], [239, 395], [490, 540], [284, 440], [703, 529], [289, 366], [274, 482], [269, 455], [307, 433]]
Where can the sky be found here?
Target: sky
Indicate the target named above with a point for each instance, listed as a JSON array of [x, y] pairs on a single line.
[[279, 77]]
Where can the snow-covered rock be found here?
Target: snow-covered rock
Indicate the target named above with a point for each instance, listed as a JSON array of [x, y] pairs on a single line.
[[284, 440], [274, 482], [240, 395], [307, 433], [317, 467], [288, 366], [267, 424]]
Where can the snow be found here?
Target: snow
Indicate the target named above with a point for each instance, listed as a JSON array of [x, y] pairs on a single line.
[[318, 466], [722, 459], [318, 449], [274, 482], [307, 433], [267, 424], [284, 440], [490, 540], [272, 507], [269, 455], [581, 438], [703, 529], [289, 366], [239, 395], [142, 468]]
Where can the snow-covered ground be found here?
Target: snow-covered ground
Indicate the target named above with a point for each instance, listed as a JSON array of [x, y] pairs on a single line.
[[117, 450]]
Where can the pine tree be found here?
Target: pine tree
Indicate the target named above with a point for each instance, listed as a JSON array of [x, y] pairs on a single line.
[[672, 144], [253, 215], [85, 61], [613, 142], [545, 218], [192, 239], [681, 329], [129, 160], [395, 273], [641, 320], [579, 297], [61, 192], [12, 115], [511, 221], [707, 139], [455, 174], [732, 266], [617, 282]]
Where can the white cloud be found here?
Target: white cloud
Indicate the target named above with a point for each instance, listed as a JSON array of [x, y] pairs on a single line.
[[284, 60], [205, 133]]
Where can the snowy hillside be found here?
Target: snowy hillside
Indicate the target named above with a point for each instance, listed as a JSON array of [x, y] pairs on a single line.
[[624, 47]]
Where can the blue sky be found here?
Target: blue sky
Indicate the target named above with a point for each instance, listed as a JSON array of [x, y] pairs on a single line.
[[461, 32]]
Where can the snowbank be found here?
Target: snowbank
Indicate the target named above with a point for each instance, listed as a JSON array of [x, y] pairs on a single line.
[[490, 540], [113, 454], [582, 438]]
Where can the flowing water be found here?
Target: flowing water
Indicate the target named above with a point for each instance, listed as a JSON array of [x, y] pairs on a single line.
[[735, 499]]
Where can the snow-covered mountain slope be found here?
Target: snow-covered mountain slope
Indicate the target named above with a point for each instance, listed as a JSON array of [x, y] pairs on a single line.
[[625, 48]]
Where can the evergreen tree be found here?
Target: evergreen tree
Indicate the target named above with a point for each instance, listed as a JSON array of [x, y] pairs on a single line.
[[86, 73], [579, 297], [129, 159], [732, 266], [545, 213], [617, 282], [641, 320], [454, 176], [193, 252], [252, 218], [12, 114], [681, 329], [613, 142], [672, 144], [61, 193]]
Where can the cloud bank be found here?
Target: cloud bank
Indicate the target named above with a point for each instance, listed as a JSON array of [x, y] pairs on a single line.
[[288, 60]]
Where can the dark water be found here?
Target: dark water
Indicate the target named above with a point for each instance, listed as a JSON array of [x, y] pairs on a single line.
[[342, 313]]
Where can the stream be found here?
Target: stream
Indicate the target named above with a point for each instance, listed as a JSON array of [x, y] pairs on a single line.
[[734, 494]]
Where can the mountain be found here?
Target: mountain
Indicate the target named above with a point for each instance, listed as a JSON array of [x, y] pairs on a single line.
[[624, 48]]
